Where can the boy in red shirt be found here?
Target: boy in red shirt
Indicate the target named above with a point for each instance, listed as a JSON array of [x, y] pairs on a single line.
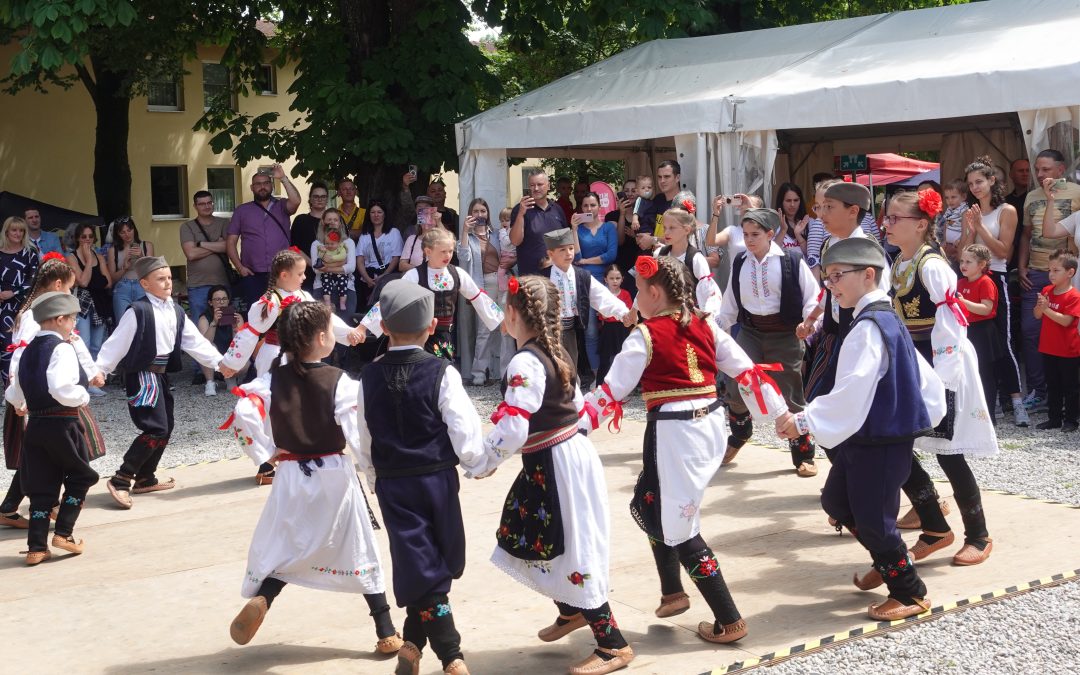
[[1058, 305], [978, 297]]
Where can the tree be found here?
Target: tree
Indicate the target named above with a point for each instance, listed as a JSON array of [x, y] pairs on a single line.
[[114, 48]]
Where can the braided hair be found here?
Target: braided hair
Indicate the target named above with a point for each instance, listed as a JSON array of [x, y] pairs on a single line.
[[297, 328], [671, 278], [51, 270], [283, 261], [537, 301]]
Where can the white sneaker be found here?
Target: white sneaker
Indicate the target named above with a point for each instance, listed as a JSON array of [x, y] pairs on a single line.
[[1020, 416], [210, 389]]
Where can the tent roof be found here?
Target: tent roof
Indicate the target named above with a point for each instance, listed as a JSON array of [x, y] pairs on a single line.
[[982, 58]]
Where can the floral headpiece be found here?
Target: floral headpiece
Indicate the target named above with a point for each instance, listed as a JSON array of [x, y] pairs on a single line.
[[295, 249], [513, 285], [689, 207], [930, 203], [647, 267], [53, 255], [334, 236]]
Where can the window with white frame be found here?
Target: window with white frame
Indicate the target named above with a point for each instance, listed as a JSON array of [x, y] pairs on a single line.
[[221, 182], [216, 88], [165, 93], [266, 80], [168, 192]]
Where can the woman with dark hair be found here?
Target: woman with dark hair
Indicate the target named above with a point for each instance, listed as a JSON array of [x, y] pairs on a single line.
[[18, 265], [598, 246], [218, 324], [793, 219], [127, 247], [92, 286], [377, 251]]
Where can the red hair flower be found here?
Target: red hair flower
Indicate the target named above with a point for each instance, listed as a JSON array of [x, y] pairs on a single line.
[[294, 249], [688, 206], [513, 286], [647, 267], [334, 236], [53, 255], [930, 203]]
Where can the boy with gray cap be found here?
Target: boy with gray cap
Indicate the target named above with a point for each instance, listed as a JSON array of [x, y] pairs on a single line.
[[147, 343], [417, 424], [50, 385], [888, 397]]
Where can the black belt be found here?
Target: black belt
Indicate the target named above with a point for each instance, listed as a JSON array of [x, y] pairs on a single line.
[[415, 470], [59, 411], [656, 414]]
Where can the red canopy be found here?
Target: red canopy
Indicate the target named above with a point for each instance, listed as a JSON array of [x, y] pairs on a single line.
[[888, 168]]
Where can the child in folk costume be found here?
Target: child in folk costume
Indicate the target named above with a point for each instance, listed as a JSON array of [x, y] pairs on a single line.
[[417, 424], [54, 274], [679, 225], [553, 534], [316, 529], [287, 271], [676, 355], [884, 397], [51, 385], [447, 282], [924, 296], [772, 291], [147, 343], [978, 296]]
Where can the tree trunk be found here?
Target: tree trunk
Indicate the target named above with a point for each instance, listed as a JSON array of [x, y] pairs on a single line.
[[112, 171]]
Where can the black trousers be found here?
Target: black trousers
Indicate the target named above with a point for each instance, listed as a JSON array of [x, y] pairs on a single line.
[[919, 488], [14, 495], [156, 424], [54, 455], [1062, 388]]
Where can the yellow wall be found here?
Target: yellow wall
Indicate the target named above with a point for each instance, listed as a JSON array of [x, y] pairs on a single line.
[[47, 147]]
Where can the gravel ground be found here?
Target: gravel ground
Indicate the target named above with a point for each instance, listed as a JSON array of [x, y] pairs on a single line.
[[997, 638]]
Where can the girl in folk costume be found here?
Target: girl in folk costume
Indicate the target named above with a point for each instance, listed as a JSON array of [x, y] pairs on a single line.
[[447, 282], [676, 355], [553, 535], [54, 274], [924, 295], [679, 225], [772, 291], [316, 529], [287, 272]]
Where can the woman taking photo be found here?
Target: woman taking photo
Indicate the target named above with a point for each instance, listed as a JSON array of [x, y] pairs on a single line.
[[18, 265], [378, 250], [218, 324], [91, 287], [127, 247], [479, 254], [598, 246], [793, 219]]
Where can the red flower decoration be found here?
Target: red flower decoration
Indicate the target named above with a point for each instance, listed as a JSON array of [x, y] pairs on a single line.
[[688, 206], [930, 203], [576, 578], [53, 255], [538, 477], [513, 286], [291, 300], [294, 249], [538, 546], [649, 497], [517, 381], [504, 531], [647, 267], [333, 236]]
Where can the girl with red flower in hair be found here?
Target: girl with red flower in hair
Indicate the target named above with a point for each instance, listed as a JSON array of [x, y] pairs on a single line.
[[676, 355], [925, 297], [553, 532]]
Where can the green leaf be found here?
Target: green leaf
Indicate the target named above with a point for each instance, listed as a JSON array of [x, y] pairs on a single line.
[[125, 13], [50, 58], [61, 31]]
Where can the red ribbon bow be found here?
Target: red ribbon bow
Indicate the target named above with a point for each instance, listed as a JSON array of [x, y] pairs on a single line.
[[754, 377], [53, 255], [255, 399], [609, 405], [954, 305], [290, 300], [505, 409], [19, 345]]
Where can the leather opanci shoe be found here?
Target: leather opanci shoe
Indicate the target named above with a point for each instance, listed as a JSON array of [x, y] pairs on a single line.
[[970, 555], [673, 605], [558, 631], [868, 581], [921, 549], [595, 665], [893, 609], [728, 633]]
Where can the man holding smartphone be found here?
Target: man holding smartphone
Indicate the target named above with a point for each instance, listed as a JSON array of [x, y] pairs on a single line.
[[534, 216]]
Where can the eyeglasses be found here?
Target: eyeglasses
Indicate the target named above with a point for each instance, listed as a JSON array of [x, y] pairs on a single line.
[[891, 220], [219, 300], [320, 196], [835, 277]]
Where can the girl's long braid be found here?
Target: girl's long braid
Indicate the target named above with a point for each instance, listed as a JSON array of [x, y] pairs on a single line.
[[297, 328], [49, 272], [672, 278], [284, 260], [538, 302]]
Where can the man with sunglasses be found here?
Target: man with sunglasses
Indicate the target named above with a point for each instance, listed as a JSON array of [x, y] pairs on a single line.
[[264, 226]]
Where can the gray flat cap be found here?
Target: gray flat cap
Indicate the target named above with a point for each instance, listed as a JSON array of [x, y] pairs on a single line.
[[561, 237], [53, 304], [406, 307], [147, 264], [850, 193], [768, 219], [857, 251]]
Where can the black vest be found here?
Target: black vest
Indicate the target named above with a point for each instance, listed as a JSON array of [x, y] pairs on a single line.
[[143, 349], [688, 267], [401, 407], [582, 284], [302, 409], [32, 373], [558, 409], [790, 287], [445, 301], [914, 306]]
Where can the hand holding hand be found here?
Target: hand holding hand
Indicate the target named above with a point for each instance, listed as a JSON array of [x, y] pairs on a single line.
[[98, 380], [357, 336], [487, 474], [225, 370], [785, 426], [804, 329], [631, 318]]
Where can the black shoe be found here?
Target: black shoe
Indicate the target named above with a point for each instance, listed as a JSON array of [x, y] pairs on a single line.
[[1043, 426], [1067, 427]]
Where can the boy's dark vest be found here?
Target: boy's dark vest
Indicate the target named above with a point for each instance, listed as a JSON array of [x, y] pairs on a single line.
[[790, 314], [897, 413], [445, 301], [401, 406], [32, 373], [582, 284], [557, 411], [687, 265], [302, 409], [143, 349], [912, 302]]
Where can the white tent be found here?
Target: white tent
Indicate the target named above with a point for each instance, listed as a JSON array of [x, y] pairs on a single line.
[[960, 79]]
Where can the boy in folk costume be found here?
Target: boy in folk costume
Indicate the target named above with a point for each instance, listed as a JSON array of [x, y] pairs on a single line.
[[417, 424], [147, 342], [676, 355], [553, 531], [884, 397], [316, 529], [772, 291], [51, 385]]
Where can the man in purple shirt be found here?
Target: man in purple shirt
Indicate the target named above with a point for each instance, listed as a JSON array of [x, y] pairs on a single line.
[[530, 220], [264, 225]]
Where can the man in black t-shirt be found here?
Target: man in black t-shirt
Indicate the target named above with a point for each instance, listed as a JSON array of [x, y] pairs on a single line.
[[669, 182]]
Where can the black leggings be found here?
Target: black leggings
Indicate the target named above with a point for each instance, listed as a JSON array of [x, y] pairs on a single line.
[[431, 619], [701, 564], [601, 621], [14, 496], [380, 609], [924, 497]]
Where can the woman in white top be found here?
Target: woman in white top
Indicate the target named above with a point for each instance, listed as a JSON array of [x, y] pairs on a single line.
[[378, 249], [992, 222], [333, 222]]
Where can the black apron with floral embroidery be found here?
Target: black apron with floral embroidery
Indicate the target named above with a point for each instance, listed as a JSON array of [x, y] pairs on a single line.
[[645, 504], [531, 524]]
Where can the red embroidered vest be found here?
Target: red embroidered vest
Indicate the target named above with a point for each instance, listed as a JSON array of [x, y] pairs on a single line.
[[680, 362]]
